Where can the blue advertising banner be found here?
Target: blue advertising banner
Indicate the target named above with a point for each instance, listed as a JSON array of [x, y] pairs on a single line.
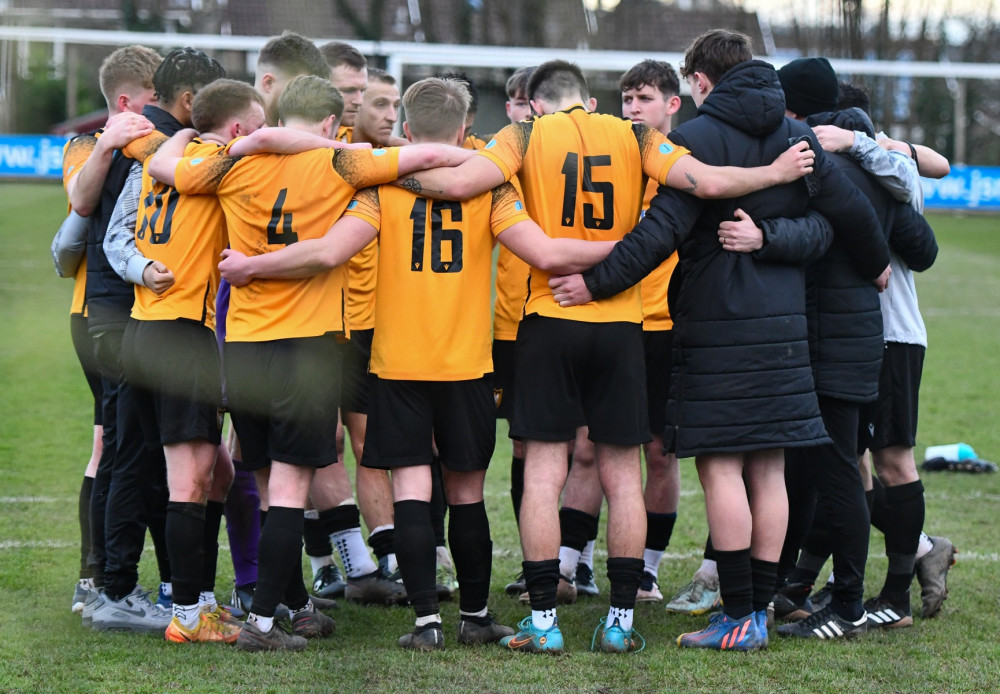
[[32, 156], [965, 188]]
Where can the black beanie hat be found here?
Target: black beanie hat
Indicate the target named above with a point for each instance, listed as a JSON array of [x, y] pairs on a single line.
[[810, 86]]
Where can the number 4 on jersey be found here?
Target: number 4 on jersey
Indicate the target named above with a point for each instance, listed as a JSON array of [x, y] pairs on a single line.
[[286, 235]]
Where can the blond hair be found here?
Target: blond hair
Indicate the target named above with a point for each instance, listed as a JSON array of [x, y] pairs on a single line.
[[130, 67], [310, 98], [436, 108]]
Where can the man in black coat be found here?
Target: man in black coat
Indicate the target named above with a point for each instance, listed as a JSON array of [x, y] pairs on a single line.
[[742, 388], [846, 343]]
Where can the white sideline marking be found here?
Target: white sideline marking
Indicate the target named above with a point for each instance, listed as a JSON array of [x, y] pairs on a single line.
[[37, 544], [33, 500]]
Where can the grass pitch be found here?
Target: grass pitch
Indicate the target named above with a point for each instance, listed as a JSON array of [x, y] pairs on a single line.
[[45, 435]]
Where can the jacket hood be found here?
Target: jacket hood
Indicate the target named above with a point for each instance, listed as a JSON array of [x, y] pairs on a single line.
[[162, 120], [748, 97], [849, 119]]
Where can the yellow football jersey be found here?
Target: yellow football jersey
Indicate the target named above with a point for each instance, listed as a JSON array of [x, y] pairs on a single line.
[[362, 272], [432, 305], [474, 141], [583, 176], [186, 233], [655, 312], [511, 290], [271, 200], [75, 153]]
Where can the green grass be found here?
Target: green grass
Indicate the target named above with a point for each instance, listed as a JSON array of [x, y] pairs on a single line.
[[45, 438]]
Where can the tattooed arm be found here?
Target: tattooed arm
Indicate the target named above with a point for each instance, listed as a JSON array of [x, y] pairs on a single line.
[[704, 181]]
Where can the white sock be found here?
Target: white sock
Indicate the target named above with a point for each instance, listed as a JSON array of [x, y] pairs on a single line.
[[187, 615], [263, 624], [568, 559], [309, 607], [318, 563], [353, 552], [652, 559], [587, 555], [829, 581], [543, 619], [392, 566], [623, 616], [206, 598], [443, 558], [924, 545], [167, 589], [708, 570], [481, 613], [429, 619]]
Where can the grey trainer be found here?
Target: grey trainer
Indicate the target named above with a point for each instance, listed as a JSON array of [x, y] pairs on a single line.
[[134, 612], [80, 592]]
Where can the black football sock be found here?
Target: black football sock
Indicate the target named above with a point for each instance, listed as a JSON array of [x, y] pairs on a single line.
[[185, 535], [472, 552], [735, 582], [416, 555]]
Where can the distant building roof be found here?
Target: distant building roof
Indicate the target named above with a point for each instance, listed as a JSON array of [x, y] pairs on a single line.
[[649, 25]]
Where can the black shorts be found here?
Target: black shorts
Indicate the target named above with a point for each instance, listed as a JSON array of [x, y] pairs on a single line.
[[407, 416], [83, 344], [176, 363], [357, 381], [283, 396], [570, 373], [892, 419], [503, 377], [659, 345]]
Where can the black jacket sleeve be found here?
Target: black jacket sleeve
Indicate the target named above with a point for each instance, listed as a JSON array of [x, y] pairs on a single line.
[[668, 220], [912, 239], [853, 218], [795, 240]]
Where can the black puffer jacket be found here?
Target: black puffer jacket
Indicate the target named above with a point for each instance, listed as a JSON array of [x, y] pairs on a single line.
[[845, 316], [741, 379], [109, 298]]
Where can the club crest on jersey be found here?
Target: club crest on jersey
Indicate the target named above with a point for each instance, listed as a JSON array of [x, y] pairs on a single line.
[[497, 396], [378, 152], [518, 206], [665, 148]]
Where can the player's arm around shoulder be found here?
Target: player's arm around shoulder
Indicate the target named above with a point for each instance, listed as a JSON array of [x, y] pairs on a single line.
[[163, 165], [471, 173], [705, 181], [84, 188]]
